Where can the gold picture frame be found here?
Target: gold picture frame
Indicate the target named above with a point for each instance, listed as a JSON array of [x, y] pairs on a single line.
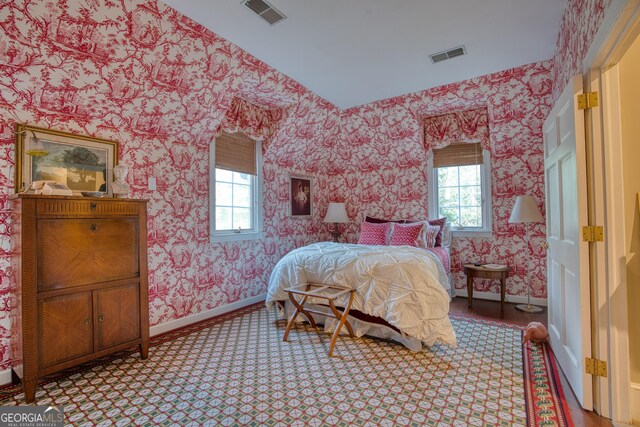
[[82, 163], [300, 196]]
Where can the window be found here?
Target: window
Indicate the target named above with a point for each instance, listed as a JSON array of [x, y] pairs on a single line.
[[460, 187], [235, 190]]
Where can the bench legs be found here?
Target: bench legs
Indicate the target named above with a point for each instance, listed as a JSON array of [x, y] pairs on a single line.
[[341, 316], [343, 321], [299, 309]]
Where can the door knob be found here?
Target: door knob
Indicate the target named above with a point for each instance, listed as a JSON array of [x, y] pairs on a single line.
[[87, 321], [545, 245], [101, 318]]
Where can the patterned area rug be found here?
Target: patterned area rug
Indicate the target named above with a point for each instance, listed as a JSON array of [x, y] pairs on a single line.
[[235, 370]]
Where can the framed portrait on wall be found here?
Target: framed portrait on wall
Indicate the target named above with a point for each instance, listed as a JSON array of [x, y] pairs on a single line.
[[300, 196]]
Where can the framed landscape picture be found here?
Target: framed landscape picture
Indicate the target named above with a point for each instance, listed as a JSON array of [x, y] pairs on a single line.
[[82, 163], [300, 196]]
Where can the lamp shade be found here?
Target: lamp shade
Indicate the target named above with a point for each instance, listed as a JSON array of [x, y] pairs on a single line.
[[525, 210], [336, 212]]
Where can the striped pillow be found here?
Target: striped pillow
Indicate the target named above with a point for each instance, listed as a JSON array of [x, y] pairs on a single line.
[[374, 234], [429, 235]]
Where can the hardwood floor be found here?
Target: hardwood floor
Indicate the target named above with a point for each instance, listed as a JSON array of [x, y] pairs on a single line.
[[491, 310]]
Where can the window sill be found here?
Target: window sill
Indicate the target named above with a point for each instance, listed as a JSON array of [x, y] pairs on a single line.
[[471, 233], [236, 237]]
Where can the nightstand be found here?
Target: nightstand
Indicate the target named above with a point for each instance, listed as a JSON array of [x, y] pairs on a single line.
[[472, 272]]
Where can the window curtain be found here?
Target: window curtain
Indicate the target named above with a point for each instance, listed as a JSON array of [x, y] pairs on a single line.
[[256, 122], [471, 126]]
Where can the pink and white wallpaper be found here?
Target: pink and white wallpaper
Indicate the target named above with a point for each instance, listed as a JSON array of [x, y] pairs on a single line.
[[140, 73], [379, 169], [580, 22]]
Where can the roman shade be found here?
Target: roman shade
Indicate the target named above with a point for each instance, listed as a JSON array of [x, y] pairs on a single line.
[[458, 154], [236, 152]]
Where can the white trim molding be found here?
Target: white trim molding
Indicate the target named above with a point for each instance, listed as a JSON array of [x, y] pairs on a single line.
[[204, 315], [519, 299]]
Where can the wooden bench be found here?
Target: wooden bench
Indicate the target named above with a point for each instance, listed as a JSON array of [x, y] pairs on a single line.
[[328, 292]]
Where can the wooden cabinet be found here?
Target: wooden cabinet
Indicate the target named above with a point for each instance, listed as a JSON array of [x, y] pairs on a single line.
[[80, 288]]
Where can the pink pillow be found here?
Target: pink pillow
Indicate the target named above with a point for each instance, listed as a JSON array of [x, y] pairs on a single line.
[[430, 234], [407, 234], [374, 234]]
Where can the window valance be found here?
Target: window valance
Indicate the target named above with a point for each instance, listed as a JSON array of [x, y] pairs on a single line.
[[256, 122], [460, 127]]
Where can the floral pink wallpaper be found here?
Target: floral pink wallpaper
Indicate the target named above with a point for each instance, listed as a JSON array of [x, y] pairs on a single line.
[[139, 73], [379, 167], [580, 22]]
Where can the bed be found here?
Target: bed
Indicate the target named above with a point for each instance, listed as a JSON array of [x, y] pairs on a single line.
[[402, 292]]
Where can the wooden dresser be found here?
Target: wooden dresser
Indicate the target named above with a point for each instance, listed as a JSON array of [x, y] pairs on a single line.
[[80, 289]]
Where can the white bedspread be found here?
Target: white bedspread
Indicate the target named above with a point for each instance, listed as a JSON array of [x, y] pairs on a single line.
[[404, 285]]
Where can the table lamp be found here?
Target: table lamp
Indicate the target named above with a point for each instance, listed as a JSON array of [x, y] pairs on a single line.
[[336, 213], [526, 211]]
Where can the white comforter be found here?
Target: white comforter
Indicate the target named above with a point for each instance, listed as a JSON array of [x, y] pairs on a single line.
[[403, 285]]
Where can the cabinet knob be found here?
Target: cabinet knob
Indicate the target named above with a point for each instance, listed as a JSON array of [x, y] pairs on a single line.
[[94, 227], [93, 206], [101, 318], [87, 321]]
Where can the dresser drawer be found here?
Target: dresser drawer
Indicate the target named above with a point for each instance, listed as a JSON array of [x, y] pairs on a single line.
[[74, 252], [84, 208]]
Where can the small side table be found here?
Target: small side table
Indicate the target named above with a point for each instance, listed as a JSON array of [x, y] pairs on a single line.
[[472, 272]]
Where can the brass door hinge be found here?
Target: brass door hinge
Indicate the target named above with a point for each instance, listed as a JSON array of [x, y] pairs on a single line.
[[587, 100], [593, 233], [595, 367]]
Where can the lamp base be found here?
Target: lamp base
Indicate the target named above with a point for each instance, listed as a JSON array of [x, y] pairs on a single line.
[[335, 232], [528, 308]]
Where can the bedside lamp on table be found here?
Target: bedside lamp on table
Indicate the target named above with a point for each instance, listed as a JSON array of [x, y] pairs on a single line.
[[526, 211], [337, 214]]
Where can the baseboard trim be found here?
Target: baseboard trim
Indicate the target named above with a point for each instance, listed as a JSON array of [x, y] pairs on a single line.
[[634, 402], [204, 315], [5, 376], [518, 299]]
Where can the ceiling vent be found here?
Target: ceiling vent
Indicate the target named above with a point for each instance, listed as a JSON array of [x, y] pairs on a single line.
[[448, 54], [265, 11]]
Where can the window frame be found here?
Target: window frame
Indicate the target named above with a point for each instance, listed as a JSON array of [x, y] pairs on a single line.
[[257, 216], [487, 221]]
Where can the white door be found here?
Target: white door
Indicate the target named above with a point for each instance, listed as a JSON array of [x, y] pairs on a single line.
[[568, 257]]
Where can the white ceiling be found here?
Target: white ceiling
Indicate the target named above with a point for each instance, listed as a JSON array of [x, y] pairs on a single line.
[[353, 52]]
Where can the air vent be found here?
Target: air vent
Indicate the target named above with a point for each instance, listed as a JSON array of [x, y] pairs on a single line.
[[265, 11], [448, 54]]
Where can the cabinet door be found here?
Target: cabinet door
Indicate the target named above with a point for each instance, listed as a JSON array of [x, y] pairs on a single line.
[[118, 315], [65, 328], [75, 252]]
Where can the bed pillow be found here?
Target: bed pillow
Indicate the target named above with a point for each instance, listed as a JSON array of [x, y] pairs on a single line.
[[440, 222], [374, 233], [429, 235], [380, 221], [407, 234]]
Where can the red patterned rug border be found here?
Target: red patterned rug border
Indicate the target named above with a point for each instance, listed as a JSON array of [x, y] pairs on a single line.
[[544, 397]]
